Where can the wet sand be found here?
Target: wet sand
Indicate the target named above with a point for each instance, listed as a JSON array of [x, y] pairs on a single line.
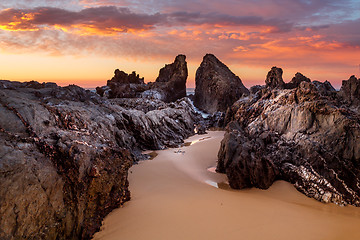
[[174, 197]]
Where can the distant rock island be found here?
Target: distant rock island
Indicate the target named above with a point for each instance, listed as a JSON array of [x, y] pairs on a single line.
[[66, 151]]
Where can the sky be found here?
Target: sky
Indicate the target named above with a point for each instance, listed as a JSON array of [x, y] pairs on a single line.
[[83, 41]]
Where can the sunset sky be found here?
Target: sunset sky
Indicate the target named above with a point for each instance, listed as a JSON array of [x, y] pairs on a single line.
[[84, 41]]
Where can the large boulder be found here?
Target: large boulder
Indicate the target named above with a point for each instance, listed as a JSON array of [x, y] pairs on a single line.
[[171, 82], [217, 87], [304, 136], [65, 155]]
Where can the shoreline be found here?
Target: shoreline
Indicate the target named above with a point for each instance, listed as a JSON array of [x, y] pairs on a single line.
[[171, 200]]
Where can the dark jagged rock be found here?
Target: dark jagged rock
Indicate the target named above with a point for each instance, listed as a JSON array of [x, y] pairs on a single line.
[[141, 104], [256, 88], [350, 90], [325, 88], [123, 85], [215, 121], [295, 81], [217, 87], [171, 82], [103, 91], [169, 86], [65, 154], [274, 78], [302, 136], [127, 90], [5, 84], [123, 78]]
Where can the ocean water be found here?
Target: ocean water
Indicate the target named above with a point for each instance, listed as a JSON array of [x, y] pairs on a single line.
[[190, 91]]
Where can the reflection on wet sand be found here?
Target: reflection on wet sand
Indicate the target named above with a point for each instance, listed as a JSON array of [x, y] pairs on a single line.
[[186, 144]]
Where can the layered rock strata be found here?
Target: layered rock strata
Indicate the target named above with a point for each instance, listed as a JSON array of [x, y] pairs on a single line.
[[65, 155], [308, 136]]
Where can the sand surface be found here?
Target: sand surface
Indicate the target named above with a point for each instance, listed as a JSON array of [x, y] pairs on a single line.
[[174, 197]]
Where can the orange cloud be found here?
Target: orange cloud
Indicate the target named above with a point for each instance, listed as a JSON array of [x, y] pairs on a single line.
[[20, 21], [90, 21]]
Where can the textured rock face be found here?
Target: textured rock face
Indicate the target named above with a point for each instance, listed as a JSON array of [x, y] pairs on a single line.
[[274, 78], [325, 88], [295, 81], [299, 135], [169, 86], [171, 81], [123, 85], [350, 91], [65, 154], [122, 77], [217, 88]]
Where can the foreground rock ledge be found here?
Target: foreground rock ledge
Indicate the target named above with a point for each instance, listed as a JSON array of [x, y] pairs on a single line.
[[65, 155], [308, 136]]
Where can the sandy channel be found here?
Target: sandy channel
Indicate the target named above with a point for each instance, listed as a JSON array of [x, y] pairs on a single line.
[[174, 197]]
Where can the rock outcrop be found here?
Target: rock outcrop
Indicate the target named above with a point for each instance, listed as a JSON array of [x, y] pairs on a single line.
[[65, 155], [123, 78], [123, 85], [171, 81], [305, 136], [295, 81], [325, 88], [217, 88], [350, 91], [274, 78], [169, 86]]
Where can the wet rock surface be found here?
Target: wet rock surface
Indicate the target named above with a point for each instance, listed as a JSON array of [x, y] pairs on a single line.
[[307, 136], [65, 155], [217, 88]]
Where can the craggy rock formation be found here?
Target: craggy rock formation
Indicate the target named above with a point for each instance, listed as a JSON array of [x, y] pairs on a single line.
[[274, 78], [256, 88], [123, 85], [302, 136], [169, 86], [217, 88], [65, 155], [350, 91], [325, 88], [171, 81], [295, 81], [123, 78]]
